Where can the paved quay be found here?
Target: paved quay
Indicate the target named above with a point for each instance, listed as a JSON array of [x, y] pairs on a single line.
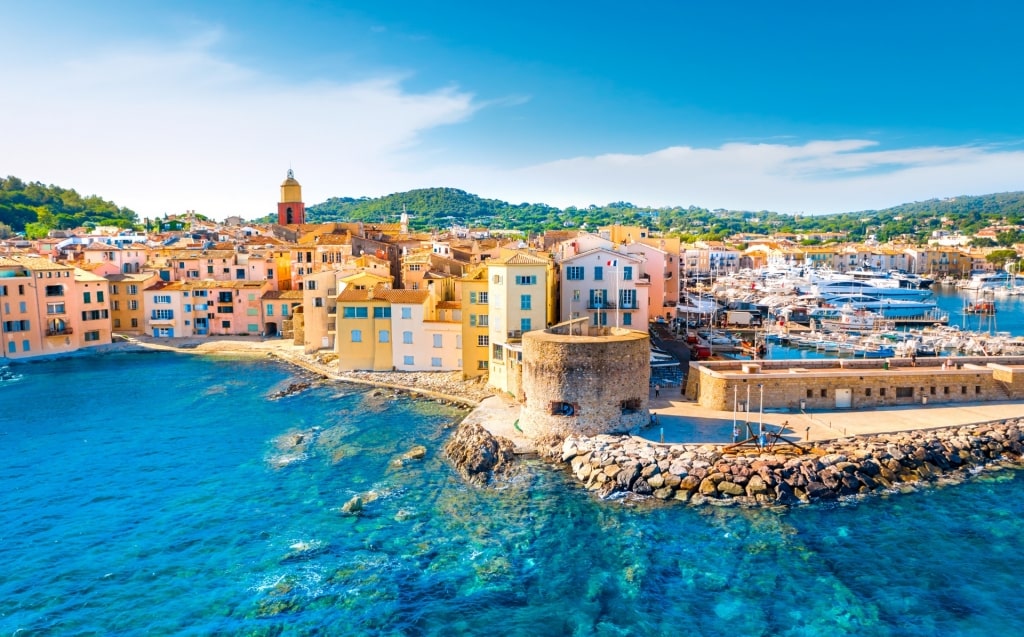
[[686, 421]]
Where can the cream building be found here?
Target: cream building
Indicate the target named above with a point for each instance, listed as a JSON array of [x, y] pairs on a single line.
[[518, 303]]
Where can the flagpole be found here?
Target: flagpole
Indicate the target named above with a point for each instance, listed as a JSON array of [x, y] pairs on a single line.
[[618, 301]]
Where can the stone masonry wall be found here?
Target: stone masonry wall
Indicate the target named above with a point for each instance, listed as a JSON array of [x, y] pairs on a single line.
[[584, 385], [817, 386]]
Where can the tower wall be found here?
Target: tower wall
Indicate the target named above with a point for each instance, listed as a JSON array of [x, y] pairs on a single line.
[[586, 385]]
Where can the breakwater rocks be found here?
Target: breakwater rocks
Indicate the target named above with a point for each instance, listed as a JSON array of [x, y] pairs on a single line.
[[480, 456], [610, 465]]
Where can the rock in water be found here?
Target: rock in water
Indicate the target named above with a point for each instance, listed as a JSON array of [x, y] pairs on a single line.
[[479, 456]]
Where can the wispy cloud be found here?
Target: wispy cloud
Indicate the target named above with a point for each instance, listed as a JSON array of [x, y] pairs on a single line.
[[172, 127], [817, 176]]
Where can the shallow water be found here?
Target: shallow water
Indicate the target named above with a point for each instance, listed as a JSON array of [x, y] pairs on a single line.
[[160, 493]]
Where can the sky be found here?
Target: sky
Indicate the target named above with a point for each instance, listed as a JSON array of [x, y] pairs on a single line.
[[797, 107]]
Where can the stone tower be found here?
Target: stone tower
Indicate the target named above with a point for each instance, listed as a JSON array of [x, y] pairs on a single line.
[[291, 210]]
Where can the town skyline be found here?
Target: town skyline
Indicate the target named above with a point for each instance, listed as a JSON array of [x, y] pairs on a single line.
[[168, 109]]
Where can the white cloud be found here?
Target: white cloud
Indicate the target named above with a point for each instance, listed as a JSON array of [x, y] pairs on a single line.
[[165, 128], [170, 128], [815, 177]]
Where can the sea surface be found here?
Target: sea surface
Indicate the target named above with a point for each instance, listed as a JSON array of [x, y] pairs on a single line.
[[160, 494]]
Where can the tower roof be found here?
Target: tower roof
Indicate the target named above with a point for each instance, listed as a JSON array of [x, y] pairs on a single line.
[[290, 179]]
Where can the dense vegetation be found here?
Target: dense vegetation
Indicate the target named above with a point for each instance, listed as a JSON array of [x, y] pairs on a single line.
[[35, 209], [443, 207]]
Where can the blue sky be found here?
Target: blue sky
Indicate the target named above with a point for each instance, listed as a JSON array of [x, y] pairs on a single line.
[[797, 107]]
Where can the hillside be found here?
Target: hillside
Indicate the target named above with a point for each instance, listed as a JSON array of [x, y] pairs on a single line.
[[443, 207], [35, 209]]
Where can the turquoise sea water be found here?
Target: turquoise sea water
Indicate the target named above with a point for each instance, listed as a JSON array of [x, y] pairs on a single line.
[[150, 494]]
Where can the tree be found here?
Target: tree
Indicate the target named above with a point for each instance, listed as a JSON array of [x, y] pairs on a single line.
[[1000, 257]]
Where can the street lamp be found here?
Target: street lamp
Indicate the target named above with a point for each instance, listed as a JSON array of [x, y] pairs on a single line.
[[760, 417]]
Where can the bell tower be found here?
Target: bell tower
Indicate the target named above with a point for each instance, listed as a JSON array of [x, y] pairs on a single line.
[[291, 210]]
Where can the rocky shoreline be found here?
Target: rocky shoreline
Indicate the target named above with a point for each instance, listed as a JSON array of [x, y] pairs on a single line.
[[614, 466]]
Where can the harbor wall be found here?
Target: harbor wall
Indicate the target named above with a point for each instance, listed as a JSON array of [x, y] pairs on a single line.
[[856, 466], [828, 384]]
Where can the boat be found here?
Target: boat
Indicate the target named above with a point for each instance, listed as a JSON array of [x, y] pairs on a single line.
[[849, 318], [991, 281], [984, 308], [7, 376], [842, 287], [887, 308]]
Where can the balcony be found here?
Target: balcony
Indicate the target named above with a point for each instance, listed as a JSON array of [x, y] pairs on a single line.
[[58, 331], [601, 305], [515, 335]]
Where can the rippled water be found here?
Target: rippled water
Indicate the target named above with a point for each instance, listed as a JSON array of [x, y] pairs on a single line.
[[158, 494]]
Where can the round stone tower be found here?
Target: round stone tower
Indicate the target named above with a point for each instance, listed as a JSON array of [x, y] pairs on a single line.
[[585, 385], [291, 210]]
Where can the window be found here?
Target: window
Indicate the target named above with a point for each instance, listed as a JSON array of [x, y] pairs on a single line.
[[867, 391], [483, 298], [209, 269], [408, 360], [627, 299], [524, 324], [162, 315], [407, 338], [437, 340], [240, 273], [574, 273], [54, 290], [133, 304], [92, 336], [526, 280], [270, 309], [435, 362], [381, 312], [318, 302], [472, 298], [26, 345], [627, 318], [133, 289], [188, 307], [824, 393], [284, 309], [12, 347], [252, 327], [904, 392], [407, 312], [627, 273], [384, 336], [483, 340], [99, 296], [414, 268], [600, 318], [54, 308], [357, 336], [482, 320], [598, 273], [458, 343], [525, 302], [223, 297], [225, 325], [810, 393], [497, 352], [135, 322], [310, 285], [355, 312], [481, 364]]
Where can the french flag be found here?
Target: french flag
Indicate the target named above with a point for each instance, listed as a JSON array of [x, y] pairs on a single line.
[[614, 263]]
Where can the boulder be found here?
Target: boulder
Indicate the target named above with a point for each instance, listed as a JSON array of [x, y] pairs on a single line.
[[479, 456]]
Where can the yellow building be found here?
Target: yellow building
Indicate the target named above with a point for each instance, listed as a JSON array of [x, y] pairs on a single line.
[[127, 311], [363, 340], [475, 323], [519, 297]]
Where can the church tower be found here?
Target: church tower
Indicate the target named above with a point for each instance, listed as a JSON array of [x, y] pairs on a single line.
[[291, 210]]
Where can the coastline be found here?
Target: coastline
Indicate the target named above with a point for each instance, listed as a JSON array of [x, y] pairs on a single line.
[[444, 386]]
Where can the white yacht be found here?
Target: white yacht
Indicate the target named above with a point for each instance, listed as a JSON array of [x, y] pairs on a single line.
[[851, 286]]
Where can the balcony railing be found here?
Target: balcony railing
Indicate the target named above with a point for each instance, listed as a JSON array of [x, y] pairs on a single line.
[[58, 331], [601, 305]]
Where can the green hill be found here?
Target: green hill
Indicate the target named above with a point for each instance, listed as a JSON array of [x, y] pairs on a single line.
[[35, 209]]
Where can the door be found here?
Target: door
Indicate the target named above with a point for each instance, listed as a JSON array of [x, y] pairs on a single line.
[[844, 398]]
